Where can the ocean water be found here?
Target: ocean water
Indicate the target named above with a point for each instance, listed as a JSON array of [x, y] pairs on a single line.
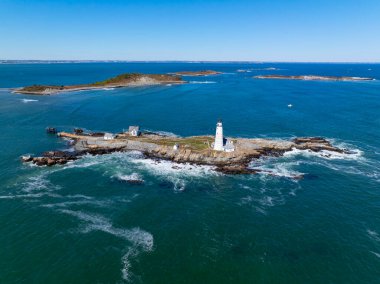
[[82, 223]]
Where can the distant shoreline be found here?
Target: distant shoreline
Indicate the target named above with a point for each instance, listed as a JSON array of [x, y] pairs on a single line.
[[32, 61], [313, 78]]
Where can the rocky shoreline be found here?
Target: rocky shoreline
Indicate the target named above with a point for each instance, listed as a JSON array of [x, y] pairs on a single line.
[[314, 78], [194, 150]]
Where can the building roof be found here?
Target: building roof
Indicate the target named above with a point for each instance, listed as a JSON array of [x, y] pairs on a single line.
[[131, 128]]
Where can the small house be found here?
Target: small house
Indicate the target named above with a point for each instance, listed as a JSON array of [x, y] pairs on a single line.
[[134, 130], [229, 146], [109, 136], [175, 147]]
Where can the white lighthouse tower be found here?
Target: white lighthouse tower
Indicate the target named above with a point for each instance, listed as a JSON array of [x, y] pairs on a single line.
[[218, 145]]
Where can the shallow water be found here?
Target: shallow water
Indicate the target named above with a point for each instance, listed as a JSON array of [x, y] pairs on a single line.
[[83, 223]]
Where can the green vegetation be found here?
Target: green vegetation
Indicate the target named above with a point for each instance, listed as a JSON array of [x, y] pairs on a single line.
[[131, 77], [35, 88], [197, 143], [120, 78]]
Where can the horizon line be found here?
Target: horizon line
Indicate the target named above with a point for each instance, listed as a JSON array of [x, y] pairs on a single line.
[[2, 61]]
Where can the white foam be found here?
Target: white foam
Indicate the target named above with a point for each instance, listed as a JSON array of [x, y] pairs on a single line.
[[377, 254], [179, 184], [165, 168], [39, 183], [79, 196], [95, 222], [31, 195], [131, 177], [139, 239], [373, 235], [97, 203], [354, 154], [25, 101], [83, 163], [274, 167], [126, 263], [202, 82], [108, 89]]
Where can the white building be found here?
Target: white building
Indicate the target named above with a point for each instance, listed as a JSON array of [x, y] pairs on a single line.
[[175, 147], [134, 130], [229, 147], [220, 143], [108, 136]]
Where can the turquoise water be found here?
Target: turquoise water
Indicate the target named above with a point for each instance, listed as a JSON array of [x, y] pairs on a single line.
[[80, 223]]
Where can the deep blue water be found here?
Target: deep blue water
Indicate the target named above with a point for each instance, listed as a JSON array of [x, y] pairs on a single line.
[[79, 223]]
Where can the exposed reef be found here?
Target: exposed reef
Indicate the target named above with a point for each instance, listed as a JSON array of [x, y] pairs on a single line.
[[314, 78], [197, 73], [123, 80], [193, 150]]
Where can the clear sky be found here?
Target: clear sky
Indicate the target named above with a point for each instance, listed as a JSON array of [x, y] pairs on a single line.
[[235, 30]]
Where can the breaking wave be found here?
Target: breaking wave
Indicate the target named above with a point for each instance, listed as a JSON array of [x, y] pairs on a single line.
[[131, 177], [274, 167], [353, 154]]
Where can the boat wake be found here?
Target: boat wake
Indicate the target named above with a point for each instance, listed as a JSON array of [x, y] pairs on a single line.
[[202, 82], [25, 101]]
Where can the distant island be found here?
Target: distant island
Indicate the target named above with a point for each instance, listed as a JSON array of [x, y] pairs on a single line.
[[123, 80], [314, 78], [197, 73]]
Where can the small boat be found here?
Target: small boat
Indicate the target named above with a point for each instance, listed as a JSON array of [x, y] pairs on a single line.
[[290, 105]]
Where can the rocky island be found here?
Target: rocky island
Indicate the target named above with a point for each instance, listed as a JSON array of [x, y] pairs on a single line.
[[123, 80], [229, 156], [197, 73], [314, 78]]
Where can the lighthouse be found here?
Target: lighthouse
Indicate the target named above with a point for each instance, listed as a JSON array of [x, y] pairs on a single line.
[[218, 145]]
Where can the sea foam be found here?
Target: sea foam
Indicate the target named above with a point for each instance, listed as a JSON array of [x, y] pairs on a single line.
[[25, 101]]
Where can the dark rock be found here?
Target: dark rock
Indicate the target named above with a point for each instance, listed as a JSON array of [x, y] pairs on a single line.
[[97, 134], [302, 140], [50, 162], [78, 131], [27, 158], [235, 169], [51, 130]]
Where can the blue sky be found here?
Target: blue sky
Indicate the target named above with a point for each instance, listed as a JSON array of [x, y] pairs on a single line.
[[239, 30]]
